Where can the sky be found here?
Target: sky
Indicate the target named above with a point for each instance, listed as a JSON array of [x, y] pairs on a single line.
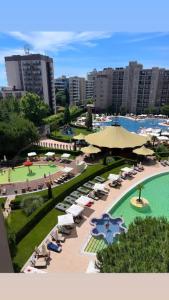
[[76, 53]]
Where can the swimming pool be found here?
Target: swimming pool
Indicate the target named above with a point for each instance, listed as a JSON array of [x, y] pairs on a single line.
[[136, 125], [155, 190], [21, 174]]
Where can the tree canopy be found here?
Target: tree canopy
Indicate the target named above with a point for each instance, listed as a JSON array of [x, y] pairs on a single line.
[[144, 248], [165, 110], [33, 108], [89, 121]]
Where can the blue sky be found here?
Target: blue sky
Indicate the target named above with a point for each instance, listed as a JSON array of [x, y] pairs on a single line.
[[76, 53]]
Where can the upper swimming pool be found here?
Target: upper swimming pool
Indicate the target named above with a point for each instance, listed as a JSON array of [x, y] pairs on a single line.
[[136, 125]]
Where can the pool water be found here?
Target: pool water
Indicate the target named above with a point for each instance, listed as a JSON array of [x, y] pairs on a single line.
[[107, 227], [21, 174], [155, 190], [136, 125]]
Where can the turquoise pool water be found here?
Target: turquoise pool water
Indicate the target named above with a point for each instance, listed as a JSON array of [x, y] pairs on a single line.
[[136, 125], [156, 191]]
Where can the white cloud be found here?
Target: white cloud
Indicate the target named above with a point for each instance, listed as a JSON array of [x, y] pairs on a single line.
[[53, 41]]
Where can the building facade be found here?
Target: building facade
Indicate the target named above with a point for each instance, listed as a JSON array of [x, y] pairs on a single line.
[[77, 90], [61, 83], [32, 73], [131, 89]]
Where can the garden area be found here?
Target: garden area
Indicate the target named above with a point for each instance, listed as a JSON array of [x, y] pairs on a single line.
[[30, 230]]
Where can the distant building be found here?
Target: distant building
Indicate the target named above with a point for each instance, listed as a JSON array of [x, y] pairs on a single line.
[[77, 90], [90, 84], [131, 89], [32, 73], [7, 92], [61, 83]]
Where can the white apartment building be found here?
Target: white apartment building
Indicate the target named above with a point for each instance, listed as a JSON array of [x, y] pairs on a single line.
[[32, 73]]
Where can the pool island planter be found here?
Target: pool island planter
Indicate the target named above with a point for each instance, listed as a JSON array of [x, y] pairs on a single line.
[[103, 227], [139, 203]]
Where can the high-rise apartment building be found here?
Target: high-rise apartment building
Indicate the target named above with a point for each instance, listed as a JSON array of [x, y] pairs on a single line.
[[132, 89], [77, 90], [32, 73], [90, 84]]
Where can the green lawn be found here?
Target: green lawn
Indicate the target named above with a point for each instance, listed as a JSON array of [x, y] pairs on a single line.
[[27, 245], [37, 234], [57, 134]]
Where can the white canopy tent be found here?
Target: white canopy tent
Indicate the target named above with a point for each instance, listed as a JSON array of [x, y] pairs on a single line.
[[166, 133], [163, 138], [31, 154], [75, 210], [99, 187], [113, 177], [127, 169], [50, 154], [65, 155], [67, 169], [65, 220], [83, 200]]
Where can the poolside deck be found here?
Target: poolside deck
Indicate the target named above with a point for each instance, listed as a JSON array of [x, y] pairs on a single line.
[[72, 258]]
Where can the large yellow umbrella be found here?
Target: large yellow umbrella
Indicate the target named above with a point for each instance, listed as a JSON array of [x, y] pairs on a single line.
[[90, 150], [143, 151], [116, 137], [79, 137]]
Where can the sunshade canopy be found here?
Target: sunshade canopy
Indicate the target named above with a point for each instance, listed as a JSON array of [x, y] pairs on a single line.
[[83, 200], [67, 169], [65, 220], [116, 137], [90, 149], [99, 187], [163, 138], [50, 154], [30, 154], [113, 177], [143, 151], [65, 155], [75, 210], [127, 170], [79, 137], [28, 163], [165, 133]]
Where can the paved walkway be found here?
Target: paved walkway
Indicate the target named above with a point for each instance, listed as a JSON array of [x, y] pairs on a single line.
[[71, 259], [7, 208]]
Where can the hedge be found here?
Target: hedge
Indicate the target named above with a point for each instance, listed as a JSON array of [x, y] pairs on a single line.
[[59, 193]]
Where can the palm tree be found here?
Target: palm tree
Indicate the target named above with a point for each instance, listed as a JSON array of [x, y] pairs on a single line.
[[139, 188]]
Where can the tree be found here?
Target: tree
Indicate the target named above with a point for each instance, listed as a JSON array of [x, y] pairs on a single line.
[[123, 110], [66, 118], [16, 134], [60, 98], [143, 248], [33, 108], [89, 120], [165, 110], [139, 188], [67, 96]]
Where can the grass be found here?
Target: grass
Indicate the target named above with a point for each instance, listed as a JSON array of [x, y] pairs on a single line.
[[37, 234], [2, 201], [57, 134], [27, 245]]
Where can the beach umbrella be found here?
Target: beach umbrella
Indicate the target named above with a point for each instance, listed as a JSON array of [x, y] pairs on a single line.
[[28, 163], [163, 138], [79, 137], [50, 154], [143, 151], [90, 150], [31, 154]]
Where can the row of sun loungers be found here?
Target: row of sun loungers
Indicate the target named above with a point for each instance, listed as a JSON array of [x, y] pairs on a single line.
[[165, 163]]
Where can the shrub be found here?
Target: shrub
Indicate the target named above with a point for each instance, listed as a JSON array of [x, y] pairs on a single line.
[[31, 203]]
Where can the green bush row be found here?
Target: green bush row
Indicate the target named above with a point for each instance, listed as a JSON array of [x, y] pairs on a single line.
[[59, 193]]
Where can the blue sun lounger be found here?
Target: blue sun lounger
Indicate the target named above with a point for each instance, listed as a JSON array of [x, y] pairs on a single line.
[[54, 247]]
